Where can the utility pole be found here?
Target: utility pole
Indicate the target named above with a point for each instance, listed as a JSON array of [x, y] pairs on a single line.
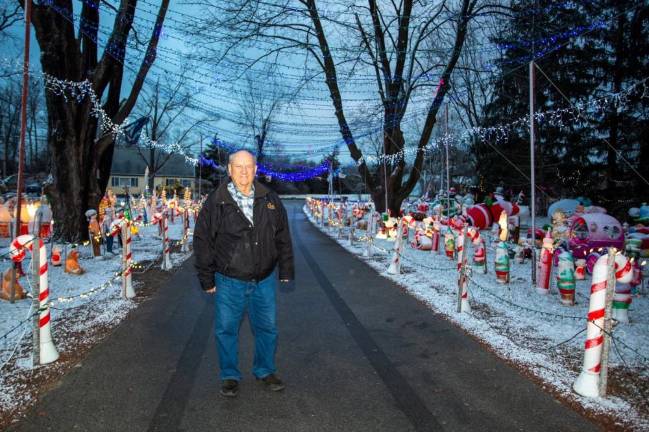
[[23, 129], [532, 176]]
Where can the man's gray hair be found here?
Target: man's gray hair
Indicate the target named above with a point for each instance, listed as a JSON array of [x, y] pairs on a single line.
[[231, 156]]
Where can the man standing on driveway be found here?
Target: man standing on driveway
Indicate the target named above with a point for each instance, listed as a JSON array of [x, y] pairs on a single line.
[[240, 239]]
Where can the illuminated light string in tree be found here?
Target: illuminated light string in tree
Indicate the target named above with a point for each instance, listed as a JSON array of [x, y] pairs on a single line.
[[79, 90], [286, 176], [394, 157], [369, 78]]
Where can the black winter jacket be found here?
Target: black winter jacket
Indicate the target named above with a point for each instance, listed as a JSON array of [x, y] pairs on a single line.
[[226, 242]]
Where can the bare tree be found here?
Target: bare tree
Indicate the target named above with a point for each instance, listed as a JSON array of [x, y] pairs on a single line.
[[10, 13], [259, 106], [81, 155], [164, 104], [386, 38], [9, 124]]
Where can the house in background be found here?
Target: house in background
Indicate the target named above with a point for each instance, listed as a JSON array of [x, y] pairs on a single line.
[[129, 166]]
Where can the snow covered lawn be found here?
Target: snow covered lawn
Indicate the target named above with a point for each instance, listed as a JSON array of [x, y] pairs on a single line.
[[84, 309], [535, 332]]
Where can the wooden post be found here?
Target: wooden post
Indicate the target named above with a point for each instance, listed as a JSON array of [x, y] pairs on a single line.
[[606, 346]]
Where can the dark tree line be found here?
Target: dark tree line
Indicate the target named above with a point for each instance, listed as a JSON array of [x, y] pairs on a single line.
[[584, 52]]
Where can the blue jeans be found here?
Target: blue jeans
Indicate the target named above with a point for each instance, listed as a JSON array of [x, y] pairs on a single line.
[[233, 297]]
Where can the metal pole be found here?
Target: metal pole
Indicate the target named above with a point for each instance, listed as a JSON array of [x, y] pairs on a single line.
[[448, 171], [606, 346], [532, 176], [200, 168], [23, 129]]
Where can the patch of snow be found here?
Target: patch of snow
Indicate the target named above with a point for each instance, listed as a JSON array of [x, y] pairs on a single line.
[[533, 330]]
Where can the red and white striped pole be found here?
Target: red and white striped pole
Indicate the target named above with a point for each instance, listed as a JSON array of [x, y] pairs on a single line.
[[127, 260], [185, 242], [460, 248], [47, 350], [587, 383], [166, 249]]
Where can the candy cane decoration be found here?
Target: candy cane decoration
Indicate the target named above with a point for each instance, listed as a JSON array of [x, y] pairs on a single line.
[[460, 249], [185, 242], [587, 384], [545, 265], [127, 261], [48, 352], [166, 249], [395, 264], [463, 292]]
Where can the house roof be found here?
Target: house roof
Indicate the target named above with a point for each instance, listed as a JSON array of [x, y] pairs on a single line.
[[128, 161]]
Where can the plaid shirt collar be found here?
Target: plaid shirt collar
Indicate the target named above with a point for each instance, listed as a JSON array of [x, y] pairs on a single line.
[[245, 203]]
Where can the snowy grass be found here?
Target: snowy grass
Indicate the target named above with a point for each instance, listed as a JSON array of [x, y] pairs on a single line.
[[83, 306], [532, 330]]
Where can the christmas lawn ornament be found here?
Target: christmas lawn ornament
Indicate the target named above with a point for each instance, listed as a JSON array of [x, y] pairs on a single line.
[[510, 209], [580, 269], [545, 265], [449, 244], [566, 278], [621, 302], [395, 263], [94, 232], [5, 294], [592, 258], [166, 248], [502, 263], [5, 221], [43, 219], [72, 263], [590, 232], [479, 216], [47, 350], [480, 255], [56, 256], [567, 206], [587, 384], [434, 240], [503, 232], [422, 241]]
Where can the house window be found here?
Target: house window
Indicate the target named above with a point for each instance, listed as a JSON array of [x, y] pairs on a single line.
[[170, 182], [124, 181], [186, 183]]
